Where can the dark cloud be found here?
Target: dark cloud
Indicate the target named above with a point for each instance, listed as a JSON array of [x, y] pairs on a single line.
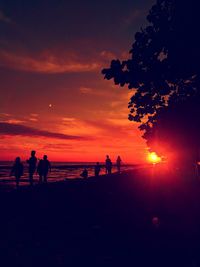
[[4, 18], [80, 25], [17, 129]]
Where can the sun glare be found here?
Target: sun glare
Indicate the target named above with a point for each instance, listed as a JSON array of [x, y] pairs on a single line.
[[153, 158]]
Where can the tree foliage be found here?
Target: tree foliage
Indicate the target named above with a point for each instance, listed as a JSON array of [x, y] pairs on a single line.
[[164, 66]]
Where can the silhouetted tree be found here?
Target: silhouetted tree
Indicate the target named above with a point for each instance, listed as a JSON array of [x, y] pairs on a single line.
[[164, 72], [176, 131]]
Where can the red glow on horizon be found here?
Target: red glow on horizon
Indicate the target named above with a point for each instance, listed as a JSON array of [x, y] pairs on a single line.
[[154, 158]]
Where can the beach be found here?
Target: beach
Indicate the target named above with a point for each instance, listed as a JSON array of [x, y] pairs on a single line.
[[60, 171], [137, 218]]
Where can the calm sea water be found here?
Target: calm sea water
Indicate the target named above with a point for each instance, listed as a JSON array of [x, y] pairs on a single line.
[[60, 171]]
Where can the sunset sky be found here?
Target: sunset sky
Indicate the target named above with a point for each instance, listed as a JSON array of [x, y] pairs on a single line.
[[53, 96]]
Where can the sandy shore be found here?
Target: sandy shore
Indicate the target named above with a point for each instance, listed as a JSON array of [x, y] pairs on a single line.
[[138, 218]]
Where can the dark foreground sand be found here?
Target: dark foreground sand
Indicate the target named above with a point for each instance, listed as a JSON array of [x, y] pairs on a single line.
[[103, 222]]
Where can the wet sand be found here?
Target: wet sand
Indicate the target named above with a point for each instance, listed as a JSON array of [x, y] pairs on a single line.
[[105, 221]]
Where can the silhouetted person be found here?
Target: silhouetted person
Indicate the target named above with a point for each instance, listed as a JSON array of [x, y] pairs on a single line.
[[84, 174], [97, 169], [108, 165], [197, 169], [17, 170], [32, 161], [118, 163], [43, 168]]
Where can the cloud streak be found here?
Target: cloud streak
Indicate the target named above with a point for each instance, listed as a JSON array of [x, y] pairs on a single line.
[[4, 18], [45, 64], [17, 129]]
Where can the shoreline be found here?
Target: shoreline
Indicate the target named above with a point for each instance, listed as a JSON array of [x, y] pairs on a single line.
[[71, 166], [8, 183]]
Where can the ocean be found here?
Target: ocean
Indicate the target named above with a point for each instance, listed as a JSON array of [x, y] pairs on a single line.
[[59, 172]]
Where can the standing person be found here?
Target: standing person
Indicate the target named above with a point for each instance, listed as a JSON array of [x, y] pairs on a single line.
[[32, 161], [44, 166], [198, 169], [118, 163], [108, 165], [97, 169], [17, 170]]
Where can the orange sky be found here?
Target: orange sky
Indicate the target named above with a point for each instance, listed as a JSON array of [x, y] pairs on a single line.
[[53, 97], [89, 132]]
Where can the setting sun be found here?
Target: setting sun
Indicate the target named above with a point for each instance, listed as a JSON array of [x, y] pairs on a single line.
[[153, 158]]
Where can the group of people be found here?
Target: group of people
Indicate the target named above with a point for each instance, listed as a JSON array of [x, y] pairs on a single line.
[[108, 167], [42, 168]]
